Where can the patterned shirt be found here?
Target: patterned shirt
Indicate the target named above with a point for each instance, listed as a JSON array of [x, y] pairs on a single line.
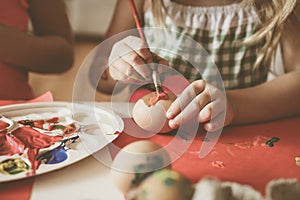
[[206, 42]]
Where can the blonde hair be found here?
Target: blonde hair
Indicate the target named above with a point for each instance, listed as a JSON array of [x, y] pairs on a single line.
[[272, 13]]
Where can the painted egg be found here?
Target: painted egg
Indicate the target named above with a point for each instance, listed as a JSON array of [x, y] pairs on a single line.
[[164, 184], [136, 161], [149, 112]]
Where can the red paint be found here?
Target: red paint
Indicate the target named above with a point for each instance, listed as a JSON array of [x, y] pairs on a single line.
[[33, 123], [53, 124], [155, 98], [34, 140], [10, 145], [3, 125], [218, 164], [53, 120], [67, 130]]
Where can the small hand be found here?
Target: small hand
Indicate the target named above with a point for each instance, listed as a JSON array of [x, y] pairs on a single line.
[[131, 61], [204, 101]]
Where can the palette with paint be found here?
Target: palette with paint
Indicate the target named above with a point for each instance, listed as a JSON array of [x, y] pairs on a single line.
[[37, 138]]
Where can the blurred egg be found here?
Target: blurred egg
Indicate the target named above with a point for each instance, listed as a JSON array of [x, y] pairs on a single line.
[[164, 184], [149, 112], [136, 161]]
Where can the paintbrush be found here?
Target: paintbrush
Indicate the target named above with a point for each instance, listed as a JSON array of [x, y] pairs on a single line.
[[155, 75]]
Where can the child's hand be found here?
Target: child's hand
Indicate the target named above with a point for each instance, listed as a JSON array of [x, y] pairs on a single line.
[[204, 101], [130, 61]]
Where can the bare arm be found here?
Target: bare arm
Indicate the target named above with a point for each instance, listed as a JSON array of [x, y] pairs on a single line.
[[279, 97], [122, 20], [275, 99], [50, 49]]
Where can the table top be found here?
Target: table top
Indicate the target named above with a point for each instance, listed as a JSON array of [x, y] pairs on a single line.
[[240, 155]]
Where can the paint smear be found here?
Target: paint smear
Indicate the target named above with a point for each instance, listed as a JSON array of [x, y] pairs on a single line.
[[34, 140], [10, 145], [258, 141], [218, 164], [154, 98], [3, 125], [13, 166], [58, 155]]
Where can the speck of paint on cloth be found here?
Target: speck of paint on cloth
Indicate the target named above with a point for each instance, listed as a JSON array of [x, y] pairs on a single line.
[[218, 164]]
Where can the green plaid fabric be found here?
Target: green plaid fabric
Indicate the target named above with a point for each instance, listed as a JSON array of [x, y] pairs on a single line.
[[209, 45]]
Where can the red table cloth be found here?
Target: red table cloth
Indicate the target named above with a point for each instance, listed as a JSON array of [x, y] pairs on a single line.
[[240, 155]]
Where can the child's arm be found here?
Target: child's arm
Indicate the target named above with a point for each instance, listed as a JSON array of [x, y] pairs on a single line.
[[272, 100], [49, 49], [277, 98], [122, 20]]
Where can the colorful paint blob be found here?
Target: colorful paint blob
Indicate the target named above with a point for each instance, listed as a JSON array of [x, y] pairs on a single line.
[[13, 166], [154, 98], [50, 125], [33, 135], [58, 154], [270, 142], [55, 156], [34, 140], [10, 145]]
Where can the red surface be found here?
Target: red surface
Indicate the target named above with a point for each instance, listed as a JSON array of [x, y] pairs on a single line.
[[252, 165], [16, 190], [46, 97]]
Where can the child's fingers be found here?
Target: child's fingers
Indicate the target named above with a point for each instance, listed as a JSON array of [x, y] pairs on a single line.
[[121, 70], [210, 111], [215, 123], [138, 64], [191, 110], [128, 45], [216, 106], [138, 45], [199, 99], [134, 51], [185, 98]]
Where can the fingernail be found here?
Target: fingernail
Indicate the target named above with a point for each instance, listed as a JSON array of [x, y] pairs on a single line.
[[172, 124], [169, 114], [204, 115]]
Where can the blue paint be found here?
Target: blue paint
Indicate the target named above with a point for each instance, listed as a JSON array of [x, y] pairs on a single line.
[[57, 156]]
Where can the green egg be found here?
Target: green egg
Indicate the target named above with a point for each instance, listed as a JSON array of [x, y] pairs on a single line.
[[165, 184]]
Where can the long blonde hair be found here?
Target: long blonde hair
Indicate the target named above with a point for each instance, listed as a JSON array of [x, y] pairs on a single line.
[[272, 13]]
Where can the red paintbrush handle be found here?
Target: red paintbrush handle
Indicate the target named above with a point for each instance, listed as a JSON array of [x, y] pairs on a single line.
[[136, 19]]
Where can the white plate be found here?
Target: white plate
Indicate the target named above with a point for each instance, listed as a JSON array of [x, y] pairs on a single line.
[[99, 129]]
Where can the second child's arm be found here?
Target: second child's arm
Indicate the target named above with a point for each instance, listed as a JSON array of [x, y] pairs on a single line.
[[49, 49]]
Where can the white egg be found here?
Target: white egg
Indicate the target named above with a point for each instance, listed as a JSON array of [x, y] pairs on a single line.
[[136, 161], [149, 112]]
